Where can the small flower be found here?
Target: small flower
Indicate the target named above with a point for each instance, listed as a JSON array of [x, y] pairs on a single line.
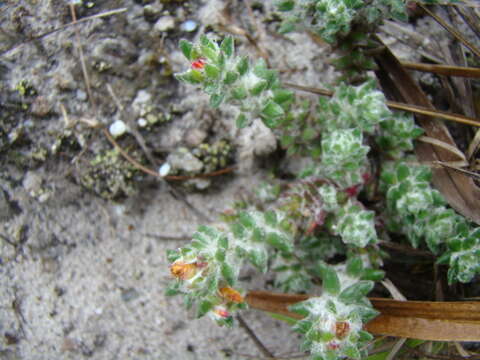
[[221, 312], [198, 64], [333, 345], [230, 294], [352, 191], [183, 271]]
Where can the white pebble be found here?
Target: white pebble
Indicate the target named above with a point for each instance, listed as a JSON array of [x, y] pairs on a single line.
[[163, 24], [118, 128], [164, 169], [142, 122], [188, 26]]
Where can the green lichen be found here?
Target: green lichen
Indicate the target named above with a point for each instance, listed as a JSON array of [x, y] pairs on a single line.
[[110, 176], [25, 88]]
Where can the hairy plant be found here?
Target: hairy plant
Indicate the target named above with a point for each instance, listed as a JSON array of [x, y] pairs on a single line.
[[319, 229]]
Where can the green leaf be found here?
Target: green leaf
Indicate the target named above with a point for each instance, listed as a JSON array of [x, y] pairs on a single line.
[[352, 352], [285, 5], [302, 326], [186, 47], [279, 242], [216, 100], [272, 110], [259, 259], [227, 46], [299, 308], [281, 96], [228, 274], [209, 53], [373, 274], [258, 88], [222, 249], [212, 71], [355, 292], [402, 172], [230, 78], [355, 266], [331, 283], [172, 255], [205, 41], [246, 220], [239, 93], [364, 336], [271, 218], [242, 66], [190, 77], [172, 289], [204, 307], [286, 27], [309, 134], [241, 121], [290, 321]]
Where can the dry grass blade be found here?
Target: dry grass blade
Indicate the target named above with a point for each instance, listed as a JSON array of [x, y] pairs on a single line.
[[463, 171], [447, 70], [432, 113], [425, 320], [415, 109], [451, 30], [471, 18], [459, 190], [436, 142]]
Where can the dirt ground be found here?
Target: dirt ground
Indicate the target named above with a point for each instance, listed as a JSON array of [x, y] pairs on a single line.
[[82, 273], [83, 234]]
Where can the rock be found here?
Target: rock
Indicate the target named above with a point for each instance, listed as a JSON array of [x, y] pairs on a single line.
[[184, 160], [32, 182], [6, 211], [118, 128], [40, 107], [163, 24], [189, 26], [195, 137]]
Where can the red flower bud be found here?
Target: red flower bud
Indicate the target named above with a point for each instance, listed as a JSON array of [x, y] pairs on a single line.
[[222, 312], [352, 191], [198, 64]]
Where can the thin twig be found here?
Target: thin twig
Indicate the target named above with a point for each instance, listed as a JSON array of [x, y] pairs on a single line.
[[104, 14], [86, 77], [447, 70], [263, 349], [169, 237], [466, 172]]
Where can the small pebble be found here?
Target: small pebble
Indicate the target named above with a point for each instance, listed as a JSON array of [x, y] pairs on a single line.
[[81, 95], [118, 128], [142, 122], [165, 23], [164, 169], [189, 26]]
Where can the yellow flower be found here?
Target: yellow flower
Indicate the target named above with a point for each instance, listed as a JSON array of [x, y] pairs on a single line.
[[183, 271], [230, 294]]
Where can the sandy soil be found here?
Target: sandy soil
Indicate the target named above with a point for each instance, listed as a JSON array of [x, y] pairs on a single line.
[[82, 276]]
